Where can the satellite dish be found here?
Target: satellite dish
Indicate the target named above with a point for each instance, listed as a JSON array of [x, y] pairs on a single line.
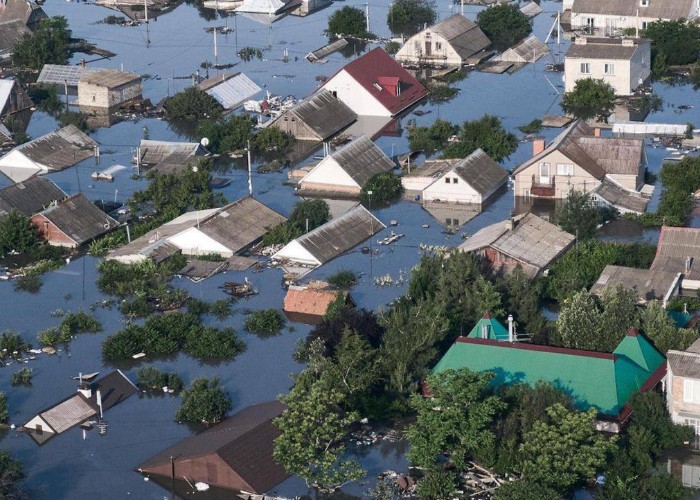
[[204, 142]]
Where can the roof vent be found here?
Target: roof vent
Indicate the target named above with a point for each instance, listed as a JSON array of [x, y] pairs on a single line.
[[688, 263], [377, 86], [484, 331]]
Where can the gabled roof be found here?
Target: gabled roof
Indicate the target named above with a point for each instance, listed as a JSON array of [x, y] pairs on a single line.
[[603, 381], [647, 284], [604, 48], [309, 301], [481, 172], [368, 68], [26, 11], [114, 388], [230, 89], [490, 327], [531, 9], [463, 34], [30, 196], [322, 112], [109, 78], [621, 198], [68, 413], [243, 441], [79, 219], [528, 50], [684, 364], [154, 152], [60, 149], [676, 244], [11, 33], [656, 9]]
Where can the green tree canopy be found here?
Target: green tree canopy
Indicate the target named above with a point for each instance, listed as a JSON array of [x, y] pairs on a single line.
[[504, 24], [566, 451], [659, 327], [17, 233], [385, 187], [432, 138], [676, 41], [590, 99], [192, 103], [486, 133], [49, 44], [579, 215], [456, 419], [205, 401], [348, 21], [316, 211], [407, 17]]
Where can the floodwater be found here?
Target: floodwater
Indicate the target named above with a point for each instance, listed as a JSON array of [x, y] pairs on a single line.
[[169, 50]]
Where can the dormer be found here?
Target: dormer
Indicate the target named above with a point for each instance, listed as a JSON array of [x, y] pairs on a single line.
[[391, 84]]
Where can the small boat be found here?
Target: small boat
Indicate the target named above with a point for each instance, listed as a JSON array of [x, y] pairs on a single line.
[[87, 376]]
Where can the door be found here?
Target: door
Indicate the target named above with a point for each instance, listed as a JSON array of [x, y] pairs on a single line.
[[544, 173], [428, 48]]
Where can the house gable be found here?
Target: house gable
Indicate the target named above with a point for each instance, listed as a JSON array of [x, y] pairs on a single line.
[[329, 172], [452, 187], [355, 96], [192, 241]]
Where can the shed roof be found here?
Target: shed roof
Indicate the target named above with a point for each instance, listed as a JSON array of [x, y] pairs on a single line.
[[79, 219], [676, 244], [11, 33], [647, 284], [60, 74], [109, 78], [361, 159], [154, 152], [620, 197], [634, 365], [310, 301], [656, 9], [30, 196], [323, 113], [60, 149], [230, 89], [605, 48], [463, 34], [481, 172], [528, 50], [368, 68], [243, 441]]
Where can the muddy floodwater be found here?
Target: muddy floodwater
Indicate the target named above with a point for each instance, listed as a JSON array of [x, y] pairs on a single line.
[[167, 53]]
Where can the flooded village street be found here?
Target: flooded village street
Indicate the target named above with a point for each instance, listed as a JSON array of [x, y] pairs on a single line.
[[167, 52]]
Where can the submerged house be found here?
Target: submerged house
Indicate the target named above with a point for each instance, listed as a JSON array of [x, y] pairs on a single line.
[[683, 386], [235, 454], [579, 159], [374, 84], [307, 304], [317, 118], [474, 179], [328, 241], [345, 172], [231, 90], [527, 241], [600, 380], [107, 89], [451, 42], [225, 231], [526, 51], [64, 76], [29, 197], [15, 110], [169, 157], [90, 400], [11, 33], [50, 153]]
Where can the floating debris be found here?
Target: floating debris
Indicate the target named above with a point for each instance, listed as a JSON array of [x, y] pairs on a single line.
[[390, 239], [240, 290]]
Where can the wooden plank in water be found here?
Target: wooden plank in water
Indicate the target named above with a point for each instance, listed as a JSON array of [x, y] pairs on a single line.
[[327, 50]]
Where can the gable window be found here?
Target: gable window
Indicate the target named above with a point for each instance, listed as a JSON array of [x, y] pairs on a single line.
[[609, 68], [438, 45], [447, 180], [691, 391], [565, 169], [455, 180], [586, 68]]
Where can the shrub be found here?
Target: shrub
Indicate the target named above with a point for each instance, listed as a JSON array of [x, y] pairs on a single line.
[[590, 99], [221, 309], [151, 377], [192, 103], [392, 47], [385, 187], [437, 485], [504, 24], [17, 234], [271, 139], [345, 278], [50, 337], [531, 128], [23, 376], [316, 212], [349, 21], [213, 343], [11, 342], [204, 402], [4, 413], [486, 133], [79, 322], [408, 17], [265, 322]]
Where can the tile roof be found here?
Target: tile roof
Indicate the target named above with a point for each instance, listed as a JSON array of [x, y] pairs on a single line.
[[647, 284], [79, 219], [243, 441], [110, 78], [463, 34], [368, 68], [230, 89], [481, 172], [633, 366], [322, 112], [60, 149], [684, 364], [656, 9], [311, 301], [604, 48], [30, 196], [620, 197]]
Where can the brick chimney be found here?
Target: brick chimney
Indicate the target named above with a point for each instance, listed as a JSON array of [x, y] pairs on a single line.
[[537, 145], [596, 132]]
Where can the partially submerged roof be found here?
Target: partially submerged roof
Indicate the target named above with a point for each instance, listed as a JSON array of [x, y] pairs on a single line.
[[30, 196], [621, 198], [109, 78], [60, 149], [244, 442], [481, 172], [79, 219], [655, 9], [531, 9], [11, 33], [154, 152], [60, 74], [463, 34], [678, 246], [647, 284], [528, 50], [375, 64], [230, 89], [604, 381], [309, 301], [68, 413], [323, 113], [432, 168], [605, 48], [114, 388]]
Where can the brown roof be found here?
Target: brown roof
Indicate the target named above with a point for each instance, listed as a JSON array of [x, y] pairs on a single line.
[[309, 300], [604, 48], [110, 78], [244, 442], [30, 196], [656, 9], [620, 197], [79, 219], [114, 388], [24, 10]]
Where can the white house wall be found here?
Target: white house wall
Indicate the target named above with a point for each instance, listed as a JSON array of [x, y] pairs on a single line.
[[293, 251], [416, 183], [440, 52], [18, 167], [355, 96], [461, 192], [620, 81], [328, 172], [38, 421], [195, 242]]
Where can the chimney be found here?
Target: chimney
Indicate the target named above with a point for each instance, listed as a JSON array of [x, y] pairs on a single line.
[[85, 390], [511, 330], [82, 63], [537, 146], [484, 331], [632, 332], [510, 224], [596, 132], [688, 262]]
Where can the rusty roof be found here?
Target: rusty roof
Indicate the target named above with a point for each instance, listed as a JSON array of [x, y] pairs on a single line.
[[309, 301]]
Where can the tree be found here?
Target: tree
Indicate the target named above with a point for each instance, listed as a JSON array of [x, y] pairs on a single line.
[[385, 187], [49, 44], [307, 214], [437, 485], [504, 24], [525, 490], [456, 419], [17, 233], [659, 327], [590, 99], [230, 134], [204, 402], [486, 133], [407, 17], [565, 452], [363, 322], [348, 21], [265, 322], [579, 215], [432, 138], [271, 139], [4, 413], [312, 440], [192, 103], [525, 302], [677, 41], [11, 475]]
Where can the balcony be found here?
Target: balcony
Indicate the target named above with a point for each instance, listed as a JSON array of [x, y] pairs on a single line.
[[543, 189]]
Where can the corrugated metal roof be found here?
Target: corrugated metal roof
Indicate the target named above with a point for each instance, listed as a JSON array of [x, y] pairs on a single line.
[[30, 196], [230, 89], [531, 9], [110, 78], [60, 149], [154, 152], [60, 74], [69, 413], [481, 172], [361, 159], [322, 112], [684, 364], [676, 244], [528, 50], [647, 284], [655, 9], [79, 219], [465, 37], [620, 197], [11, 33], [326, 50]]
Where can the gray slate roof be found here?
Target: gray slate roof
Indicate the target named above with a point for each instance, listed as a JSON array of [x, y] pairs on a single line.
[[675, 245], [684, 364], [154, 152], [647, 284], [11, 32], [30, 196], [657, 9], [531, 9], [620, 197], [362, 160], [109, 78], [604, 48], [79, 219], [463, 35], [60, 149], [481, 172], [528, 50], [60, 74], [26, 11], [323, 113]]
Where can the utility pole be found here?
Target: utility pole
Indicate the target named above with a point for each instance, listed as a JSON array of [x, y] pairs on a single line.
[[367, 15], [216, 51], [250, 172], [145, 10]]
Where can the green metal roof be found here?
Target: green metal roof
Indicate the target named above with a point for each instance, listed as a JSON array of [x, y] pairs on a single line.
[[594, 379], [680, 318], [494, 329]]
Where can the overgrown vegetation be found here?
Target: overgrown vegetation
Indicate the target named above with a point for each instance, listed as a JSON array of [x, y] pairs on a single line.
[[23, 376], [673, 43], [49, 44], [247, 54], [205, 401], [266, 322], [580, 216], [72, 324], [348, 21], [234, 132], [531, 128], [153, 379], [590, 99], [11, 476], [309, 214], [385, 187], [504, 24], [407, 17], [4, 412], [192, 103], [17, 234], [343, 279]]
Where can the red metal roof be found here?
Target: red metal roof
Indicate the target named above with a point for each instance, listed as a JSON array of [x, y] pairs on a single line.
[[375, 68]]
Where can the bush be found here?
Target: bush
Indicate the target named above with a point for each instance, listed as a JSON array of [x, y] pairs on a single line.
[[79, 322], [265, 322], [50, 337], [11, 342], [17, 234], [486, 133], [385, 187], [432, 138], [345, 278], [23, 376], [504, 24], [348, 21], [437, 485], [192, 103], [75, 118], [590, 99], [317, 213], [271, 139], [4, 413], [531, 128], [392, 47], [677, 42], [152, 378], [204, 402], [213, 343], [221, 309]]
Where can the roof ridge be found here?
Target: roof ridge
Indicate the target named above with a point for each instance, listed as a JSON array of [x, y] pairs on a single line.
[[539, 347]]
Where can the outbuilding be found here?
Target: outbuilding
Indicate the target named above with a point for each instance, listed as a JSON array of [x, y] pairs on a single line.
[[108, 89]]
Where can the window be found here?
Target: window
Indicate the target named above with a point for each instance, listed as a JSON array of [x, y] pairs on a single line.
[[694, 423], [447, 180], [645, 24], [644, 3], [586, 68], [455, 180], [609, 68], [691, 391], [590, 22], [544, 173], [93, 98], [565, 169], [438, 45]]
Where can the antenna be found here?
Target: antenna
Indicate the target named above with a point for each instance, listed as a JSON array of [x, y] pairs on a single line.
[[250, 172]]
